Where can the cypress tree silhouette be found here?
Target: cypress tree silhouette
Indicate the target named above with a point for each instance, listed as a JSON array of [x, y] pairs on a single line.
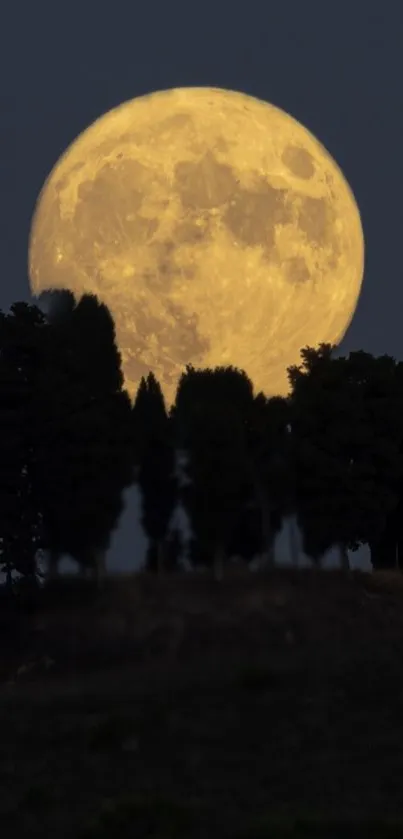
[[271, 466], [85, 458], [246, 540], [156, 472], [210, 414], [174, 549]]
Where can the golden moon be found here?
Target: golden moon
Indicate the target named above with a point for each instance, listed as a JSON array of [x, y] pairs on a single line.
[[216, 228]]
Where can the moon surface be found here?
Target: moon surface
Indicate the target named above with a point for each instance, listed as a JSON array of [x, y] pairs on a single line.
[[216, 228]]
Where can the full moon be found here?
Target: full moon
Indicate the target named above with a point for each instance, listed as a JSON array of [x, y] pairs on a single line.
[[215, 227]]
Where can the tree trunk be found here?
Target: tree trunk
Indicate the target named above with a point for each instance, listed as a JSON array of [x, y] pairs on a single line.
[[99, 565], [84, 570], [270, 556], [9, 578], [383, 550], [263, 502], [294, 552], [218, 562], [53, 564], [344, 560], [160, 557]]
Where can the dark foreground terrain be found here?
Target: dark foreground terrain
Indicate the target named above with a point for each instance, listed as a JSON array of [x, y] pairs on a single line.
[[267, 705]]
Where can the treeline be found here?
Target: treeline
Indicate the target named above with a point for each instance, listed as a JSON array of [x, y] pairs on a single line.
[[71, 441]]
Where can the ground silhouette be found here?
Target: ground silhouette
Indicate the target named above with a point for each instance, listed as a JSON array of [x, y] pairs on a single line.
[[206, 709]]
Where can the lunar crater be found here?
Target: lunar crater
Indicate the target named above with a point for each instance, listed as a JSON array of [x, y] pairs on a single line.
[[204, 184], [299, 162], [315, 219], [252, 215], [297, 270]]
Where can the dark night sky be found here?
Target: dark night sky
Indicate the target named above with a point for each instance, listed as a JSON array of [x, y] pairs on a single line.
[[336, 67]]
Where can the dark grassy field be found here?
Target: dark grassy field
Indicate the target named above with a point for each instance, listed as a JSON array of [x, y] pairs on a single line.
[[267, 705]]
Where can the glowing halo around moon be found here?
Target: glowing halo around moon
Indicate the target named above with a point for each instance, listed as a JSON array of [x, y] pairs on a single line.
[[216, 228]]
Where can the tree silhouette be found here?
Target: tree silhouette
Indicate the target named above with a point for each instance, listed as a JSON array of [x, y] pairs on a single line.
[[347, 434], [156, 473], [70, 442], [210, 415], [320, 409], [246, 540], [387, 549], [174, 549], [271, 465], [84, 459], [21, 338], [387, 546]]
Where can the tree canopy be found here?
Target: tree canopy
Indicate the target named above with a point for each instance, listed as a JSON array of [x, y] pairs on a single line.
[[330, 453]]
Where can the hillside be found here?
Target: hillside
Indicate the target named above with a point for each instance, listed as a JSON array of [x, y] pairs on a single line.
[[187, 707]]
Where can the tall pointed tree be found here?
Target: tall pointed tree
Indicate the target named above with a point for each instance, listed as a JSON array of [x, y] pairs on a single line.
[[246, 540], [210, 415], [84, 459], [271, 465], [156, 473]]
